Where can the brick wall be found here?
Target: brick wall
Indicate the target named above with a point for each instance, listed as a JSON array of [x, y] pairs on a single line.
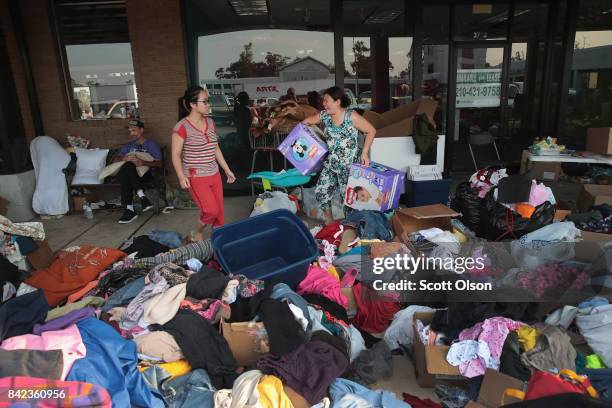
[[159, 64]]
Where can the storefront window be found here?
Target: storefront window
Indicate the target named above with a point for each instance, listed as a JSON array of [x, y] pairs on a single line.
[[590, 90], [99, 73], [102, 79], [358, 70], [400, 71], [435, 59]]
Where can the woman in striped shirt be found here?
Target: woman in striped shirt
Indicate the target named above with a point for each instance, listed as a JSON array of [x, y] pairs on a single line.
[[196, 158]]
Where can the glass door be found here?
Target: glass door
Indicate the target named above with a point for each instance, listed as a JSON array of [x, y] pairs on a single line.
[[477, 106]]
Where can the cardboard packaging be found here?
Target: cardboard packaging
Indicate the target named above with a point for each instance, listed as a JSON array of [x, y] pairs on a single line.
[[374, 187], [430, 361], [4, 203], [79, 201], [593, 194], [408, 220], [304, 149], [494, 385], [599, 140], [243, 341], [546, 171], [42, 257], [561, 211]]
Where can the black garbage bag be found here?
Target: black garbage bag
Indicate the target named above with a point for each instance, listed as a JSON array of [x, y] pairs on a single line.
[[467, 202], [503, 223]]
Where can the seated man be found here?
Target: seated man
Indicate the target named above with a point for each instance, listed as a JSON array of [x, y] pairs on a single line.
[[128, 176]]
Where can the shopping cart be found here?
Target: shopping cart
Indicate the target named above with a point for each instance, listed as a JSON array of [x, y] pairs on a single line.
[[267, 142]]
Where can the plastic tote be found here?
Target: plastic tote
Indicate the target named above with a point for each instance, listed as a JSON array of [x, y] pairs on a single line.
[[273, 246]]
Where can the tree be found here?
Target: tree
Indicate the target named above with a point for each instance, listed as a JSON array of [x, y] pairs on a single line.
[[362, 60], [247, 67]]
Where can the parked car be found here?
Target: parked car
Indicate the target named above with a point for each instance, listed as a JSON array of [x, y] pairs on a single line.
[[222, 110], [126, 109]]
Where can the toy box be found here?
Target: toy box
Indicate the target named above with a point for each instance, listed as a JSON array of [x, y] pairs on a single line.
[[374, 187], [304, 149]]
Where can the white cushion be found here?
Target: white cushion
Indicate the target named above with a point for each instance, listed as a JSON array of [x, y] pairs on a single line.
[[90, 163]]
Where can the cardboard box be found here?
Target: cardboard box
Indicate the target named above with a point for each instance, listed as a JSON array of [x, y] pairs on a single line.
[[42, 257], [79, 201], [561, 211], [304, 149], [596, 237], [430, 361], [494, 385], [374, 187], [243, 342], [599, 140], [545, 171], [593, 194], [4, 203], [408, 220]]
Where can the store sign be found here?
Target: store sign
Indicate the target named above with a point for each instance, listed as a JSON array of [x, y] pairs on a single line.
[[266, 89], [478, 88]]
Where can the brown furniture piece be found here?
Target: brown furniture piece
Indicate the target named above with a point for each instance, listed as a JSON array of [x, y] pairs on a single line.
[[399, 121]]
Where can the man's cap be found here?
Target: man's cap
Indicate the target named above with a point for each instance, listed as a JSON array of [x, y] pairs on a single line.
[[135, 123]]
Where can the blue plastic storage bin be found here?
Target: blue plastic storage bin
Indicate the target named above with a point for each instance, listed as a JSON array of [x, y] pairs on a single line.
[[273, 246], [427, 192]]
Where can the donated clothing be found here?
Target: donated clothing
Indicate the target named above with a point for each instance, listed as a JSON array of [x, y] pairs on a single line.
[[72, 270], [149, 146], [369, 224], [285, 334], [282, 291], [201, 250], [309, 369], [145, 247], [207, 284], [32, 363], [64, 321], [170, 239], [373, 364], [373, 315], [159, 344], [162, 308], [125, 294], [111, 363], [68, 340], [61, 311], [19, 315], [348, 394], [271, 393], [553, 350], [203, 346], [493, 333], [401, 330], [318, 281]]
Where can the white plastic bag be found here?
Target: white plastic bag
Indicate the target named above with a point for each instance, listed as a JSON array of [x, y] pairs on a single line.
[[311, 208], [552, 243], [273, 200], [596, 327]]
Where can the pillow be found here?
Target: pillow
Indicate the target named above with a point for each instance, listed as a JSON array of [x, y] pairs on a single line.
[[90, 163]]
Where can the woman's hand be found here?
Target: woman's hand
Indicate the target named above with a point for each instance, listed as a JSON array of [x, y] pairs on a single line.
[[365, 159], [230, 176], [184, 182]]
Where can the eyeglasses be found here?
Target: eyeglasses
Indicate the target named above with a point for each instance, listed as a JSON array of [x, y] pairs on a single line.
[[204, 101]]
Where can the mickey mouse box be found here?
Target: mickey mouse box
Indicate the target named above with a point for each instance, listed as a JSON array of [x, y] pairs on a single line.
[[304, 149]]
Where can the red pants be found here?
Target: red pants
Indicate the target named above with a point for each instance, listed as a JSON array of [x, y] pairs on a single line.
[[207, 192]]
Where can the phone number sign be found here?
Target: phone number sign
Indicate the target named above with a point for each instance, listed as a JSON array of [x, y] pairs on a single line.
[[478, 88]]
